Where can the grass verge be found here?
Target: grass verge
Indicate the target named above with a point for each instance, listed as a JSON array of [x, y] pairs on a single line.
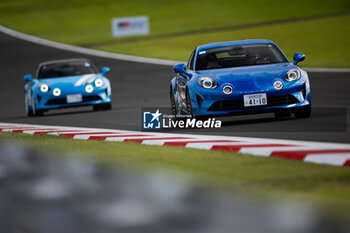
[[324, 46], [325, 42], [269, 177]]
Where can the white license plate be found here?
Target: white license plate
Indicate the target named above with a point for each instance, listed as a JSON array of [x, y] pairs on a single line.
[[74, 98], [255, 100]]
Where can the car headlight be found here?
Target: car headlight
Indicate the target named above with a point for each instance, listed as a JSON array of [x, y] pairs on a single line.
[[292, 75], [56, 92], [207, 82], [44, 88], [98, 82], [89, 88]]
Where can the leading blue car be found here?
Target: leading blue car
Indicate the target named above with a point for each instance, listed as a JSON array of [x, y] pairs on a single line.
[[240, 77], [67, 83]]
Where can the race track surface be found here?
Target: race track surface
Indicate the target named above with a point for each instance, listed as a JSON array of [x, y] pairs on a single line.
[[137, 85]]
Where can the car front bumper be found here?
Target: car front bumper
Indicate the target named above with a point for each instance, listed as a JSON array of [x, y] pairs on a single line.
[[219, 104], [45, 101]]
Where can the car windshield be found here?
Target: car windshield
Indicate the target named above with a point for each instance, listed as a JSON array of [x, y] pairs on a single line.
[[241, 55], [65, 69]]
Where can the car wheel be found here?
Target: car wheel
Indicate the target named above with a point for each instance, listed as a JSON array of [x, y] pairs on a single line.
[[29, 112], [303, 112], [189, 104], [172, 103], [35, 111], [282, 113], [99, 107]]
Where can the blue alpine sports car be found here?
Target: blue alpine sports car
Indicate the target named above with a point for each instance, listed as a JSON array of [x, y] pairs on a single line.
[[240, 77], [67, 83]]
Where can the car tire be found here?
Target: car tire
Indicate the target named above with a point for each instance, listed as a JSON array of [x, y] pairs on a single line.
[[35, 111], [189, 108], [101, 107], [303, 112], [172, 103], [282, 113], [202, 118], [38, 113], [29, 112]]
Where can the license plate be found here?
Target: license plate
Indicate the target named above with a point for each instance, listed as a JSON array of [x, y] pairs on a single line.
[[74, 98], [255, 100]]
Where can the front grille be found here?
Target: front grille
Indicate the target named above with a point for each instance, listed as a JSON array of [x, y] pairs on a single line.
[[56, 101], [91, 98], [61, 101], [228, 105], [303, 90], [199, 99]]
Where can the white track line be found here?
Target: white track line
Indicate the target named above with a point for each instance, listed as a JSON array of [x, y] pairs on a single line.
[[327, 70], [85, 51]]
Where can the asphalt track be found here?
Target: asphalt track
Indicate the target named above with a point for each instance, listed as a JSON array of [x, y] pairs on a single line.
[[136, 85]]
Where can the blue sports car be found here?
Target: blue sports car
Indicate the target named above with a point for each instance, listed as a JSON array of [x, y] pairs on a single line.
[[67, 83], [240, 77]]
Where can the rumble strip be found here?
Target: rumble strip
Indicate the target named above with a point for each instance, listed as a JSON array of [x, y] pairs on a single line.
[[314, 152]]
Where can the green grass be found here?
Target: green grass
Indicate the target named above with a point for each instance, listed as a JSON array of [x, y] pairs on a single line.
[[325, 46], [325, 42], [269, 177]]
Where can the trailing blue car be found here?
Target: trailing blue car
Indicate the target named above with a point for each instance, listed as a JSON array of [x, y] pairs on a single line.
[[240, 77], [67, 83]]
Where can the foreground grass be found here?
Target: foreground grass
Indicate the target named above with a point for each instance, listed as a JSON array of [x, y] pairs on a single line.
[[83, 22], [247, 174]]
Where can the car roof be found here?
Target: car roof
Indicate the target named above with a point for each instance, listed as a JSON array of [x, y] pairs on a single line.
[[232, 43], [64, 61]]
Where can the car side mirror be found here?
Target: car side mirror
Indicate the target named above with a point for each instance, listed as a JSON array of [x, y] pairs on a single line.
[[179, 68], [28, 78], [104, 70], [298, 57]]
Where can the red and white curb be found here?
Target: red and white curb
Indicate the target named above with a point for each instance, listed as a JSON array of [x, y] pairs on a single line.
[[314, 152]]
